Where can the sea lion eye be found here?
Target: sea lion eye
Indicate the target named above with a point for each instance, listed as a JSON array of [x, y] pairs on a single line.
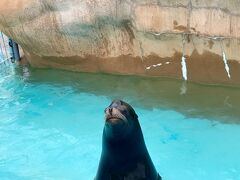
[[124, 111]]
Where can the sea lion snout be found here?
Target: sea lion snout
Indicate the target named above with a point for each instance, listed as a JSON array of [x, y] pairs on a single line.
[[108, 110], [115, 113]]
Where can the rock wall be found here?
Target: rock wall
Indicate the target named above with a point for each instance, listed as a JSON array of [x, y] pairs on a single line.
[[195, 40]]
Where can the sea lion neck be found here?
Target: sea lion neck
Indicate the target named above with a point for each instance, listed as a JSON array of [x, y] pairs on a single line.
[[129, 141]]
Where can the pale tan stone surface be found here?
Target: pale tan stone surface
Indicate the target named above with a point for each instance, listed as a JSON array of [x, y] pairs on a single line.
[[164, 45], [161, 19], [7, 6], [231, 6], [214, 22], [163, 2], [232, 48], [235, 26], [143, 37]]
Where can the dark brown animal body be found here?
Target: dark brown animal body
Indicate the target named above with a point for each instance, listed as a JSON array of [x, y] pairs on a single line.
[[124, 153]]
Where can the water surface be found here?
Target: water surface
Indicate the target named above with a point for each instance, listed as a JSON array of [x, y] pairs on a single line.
[[51, 124]]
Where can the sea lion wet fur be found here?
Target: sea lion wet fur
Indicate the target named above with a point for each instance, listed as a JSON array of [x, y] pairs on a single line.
[[124, 153]]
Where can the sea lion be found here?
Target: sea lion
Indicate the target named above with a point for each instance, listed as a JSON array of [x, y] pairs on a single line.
[[124, 153]]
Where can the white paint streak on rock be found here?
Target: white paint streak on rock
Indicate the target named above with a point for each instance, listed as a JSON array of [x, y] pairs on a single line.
[[184, 68], [157, 34], [226, 65], [154, 65]]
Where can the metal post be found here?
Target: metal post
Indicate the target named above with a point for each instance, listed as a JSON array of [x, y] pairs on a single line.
[[14, 51], [11, 52]]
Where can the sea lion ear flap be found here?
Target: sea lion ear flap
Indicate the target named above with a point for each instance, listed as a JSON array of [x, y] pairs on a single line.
[[135, 116]]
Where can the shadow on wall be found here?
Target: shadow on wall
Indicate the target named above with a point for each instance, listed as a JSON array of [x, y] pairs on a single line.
[[193, 100]]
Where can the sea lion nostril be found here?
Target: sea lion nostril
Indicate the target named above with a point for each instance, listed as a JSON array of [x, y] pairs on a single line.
[[108, 110]]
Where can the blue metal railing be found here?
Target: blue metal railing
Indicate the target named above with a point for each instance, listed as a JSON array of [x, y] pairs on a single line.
[[14, 51]]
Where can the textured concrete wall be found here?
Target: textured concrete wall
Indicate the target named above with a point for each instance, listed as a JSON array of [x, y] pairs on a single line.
[[198, 40]]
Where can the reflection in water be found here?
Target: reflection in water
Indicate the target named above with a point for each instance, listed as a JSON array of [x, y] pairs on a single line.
[[183, 89], [194, 100]]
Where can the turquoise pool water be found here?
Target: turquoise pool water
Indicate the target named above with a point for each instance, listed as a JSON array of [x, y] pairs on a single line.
[[51, 124]]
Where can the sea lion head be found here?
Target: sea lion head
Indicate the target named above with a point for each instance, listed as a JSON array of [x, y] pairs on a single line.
[[120, 118]]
